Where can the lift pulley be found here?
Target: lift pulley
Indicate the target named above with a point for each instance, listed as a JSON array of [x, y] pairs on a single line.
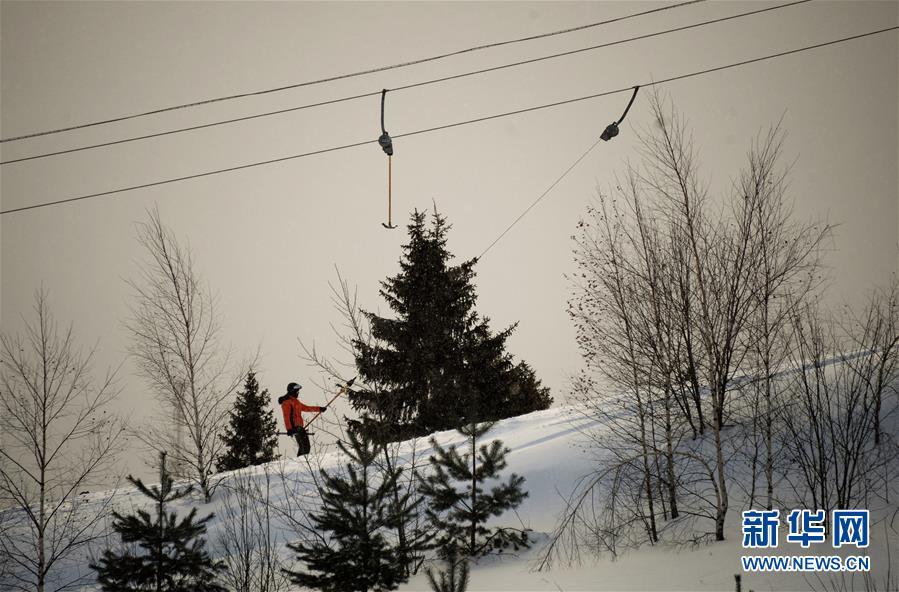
[[612, 129]]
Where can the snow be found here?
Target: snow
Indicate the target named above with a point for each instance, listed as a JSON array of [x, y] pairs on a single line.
[[549, 449]]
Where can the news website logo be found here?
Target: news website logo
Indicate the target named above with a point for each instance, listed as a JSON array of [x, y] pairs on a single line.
[[806, 528]]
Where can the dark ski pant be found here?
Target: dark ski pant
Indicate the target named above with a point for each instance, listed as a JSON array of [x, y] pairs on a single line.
[[302, 438]]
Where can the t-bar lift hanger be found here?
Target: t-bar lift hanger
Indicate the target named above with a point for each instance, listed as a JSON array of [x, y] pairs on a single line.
[[387, 145], [612, 129]]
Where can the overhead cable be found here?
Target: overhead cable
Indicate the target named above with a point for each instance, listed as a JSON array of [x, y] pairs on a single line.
[[353, 74], [460, 123], [407, 86], [540, 197]]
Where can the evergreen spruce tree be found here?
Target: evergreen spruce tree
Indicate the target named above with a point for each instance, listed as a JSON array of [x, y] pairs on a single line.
[[436, 355], [354, 553], [454, 578], [172, 557], [251, 436], [459, 505], [524, 393]]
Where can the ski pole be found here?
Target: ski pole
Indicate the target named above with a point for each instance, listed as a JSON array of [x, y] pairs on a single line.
[[345, 388]]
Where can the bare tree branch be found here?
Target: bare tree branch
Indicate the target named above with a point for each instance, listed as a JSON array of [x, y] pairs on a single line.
[[57, 438], [175, 342]]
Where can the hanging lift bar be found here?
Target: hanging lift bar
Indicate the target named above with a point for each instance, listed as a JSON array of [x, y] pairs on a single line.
[[612, 129], [387, 145]]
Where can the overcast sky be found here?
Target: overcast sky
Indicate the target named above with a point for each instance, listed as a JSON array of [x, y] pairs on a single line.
[[267, 239]]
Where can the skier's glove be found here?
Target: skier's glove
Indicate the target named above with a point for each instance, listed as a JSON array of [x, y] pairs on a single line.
[[292, 432], [324, 408]]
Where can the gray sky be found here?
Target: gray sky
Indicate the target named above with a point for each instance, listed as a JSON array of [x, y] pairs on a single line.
[[267, 239]]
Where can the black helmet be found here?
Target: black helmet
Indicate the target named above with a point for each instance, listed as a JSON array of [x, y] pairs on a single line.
[[293, 388]]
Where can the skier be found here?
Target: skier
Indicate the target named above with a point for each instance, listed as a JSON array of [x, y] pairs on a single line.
[[293, 416]]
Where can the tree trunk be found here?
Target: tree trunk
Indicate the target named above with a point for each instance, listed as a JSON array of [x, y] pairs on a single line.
[[653, 531], [474, 494], [400, 527], [672, 486], [721, 510], [41, 553], [42, 454], [755, 447], [655, 457], [769, 447]]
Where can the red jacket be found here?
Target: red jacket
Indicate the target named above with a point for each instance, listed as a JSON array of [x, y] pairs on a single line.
[[292, 408]]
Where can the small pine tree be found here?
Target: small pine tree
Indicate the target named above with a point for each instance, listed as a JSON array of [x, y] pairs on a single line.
[[251, 437], [454, 578], [460, 513], [173, 557], [358, 511]]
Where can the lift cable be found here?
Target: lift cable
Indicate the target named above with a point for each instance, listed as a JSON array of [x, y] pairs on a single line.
[[405, 87], [460, 123], [353, 74]]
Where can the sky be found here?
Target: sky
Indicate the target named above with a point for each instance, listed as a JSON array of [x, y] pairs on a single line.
[[268, 240]]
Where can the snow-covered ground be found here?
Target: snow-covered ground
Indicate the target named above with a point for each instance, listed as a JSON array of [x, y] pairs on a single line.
[[548, 449]]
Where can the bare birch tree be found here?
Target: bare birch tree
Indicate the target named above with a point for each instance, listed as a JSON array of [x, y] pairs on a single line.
[[829, 414], [786, 272], [877, 330], [175, 334], [606, 318], [247, 537], [629, 316], [721, 253], [677, 291], [58, 438], [726, 252]]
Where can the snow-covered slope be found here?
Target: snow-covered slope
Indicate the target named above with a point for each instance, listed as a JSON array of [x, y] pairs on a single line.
[[549, 450]]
